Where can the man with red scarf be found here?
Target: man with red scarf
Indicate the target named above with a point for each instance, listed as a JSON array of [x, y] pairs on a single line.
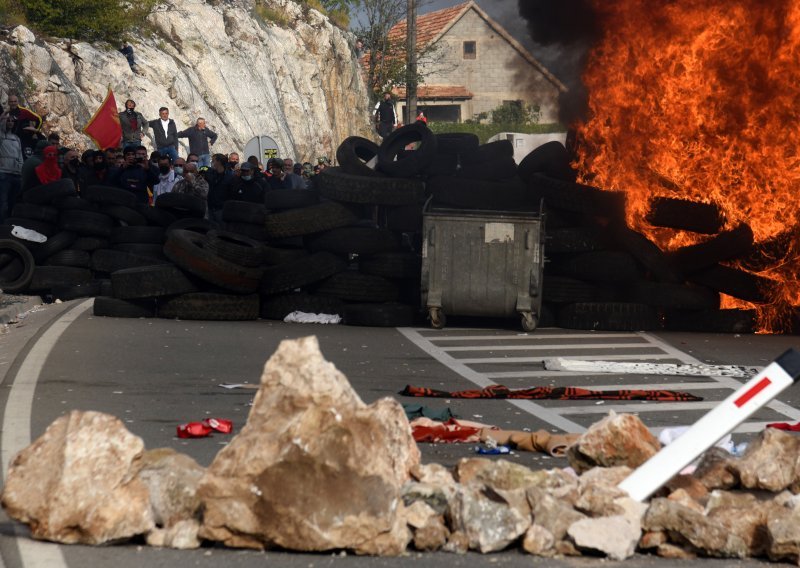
[[48, 171]]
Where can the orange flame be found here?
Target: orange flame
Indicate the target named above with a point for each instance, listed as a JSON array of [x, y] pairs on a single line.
[[701, 100]]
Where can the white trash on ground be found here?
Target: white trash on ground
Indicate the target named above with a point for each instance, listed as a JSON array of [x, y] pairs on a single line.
[[305, 317]]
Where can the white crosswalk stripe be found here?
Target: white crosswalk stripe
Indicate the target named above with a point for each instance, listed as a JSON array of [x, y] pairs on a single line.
[[480, 357]]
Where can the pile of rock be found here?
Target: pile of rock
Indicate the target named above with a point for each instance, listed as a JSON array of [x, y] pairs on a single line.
[[316, 469]]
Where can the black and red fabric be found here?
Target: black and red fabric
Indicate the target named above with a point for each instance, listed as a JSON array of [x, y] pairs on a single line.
[[553, 393]]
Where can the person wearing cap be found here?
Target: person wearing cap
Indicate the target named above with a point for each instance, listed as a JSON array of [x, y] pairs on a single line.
[[323, 162], [245, 187], [134, 126]]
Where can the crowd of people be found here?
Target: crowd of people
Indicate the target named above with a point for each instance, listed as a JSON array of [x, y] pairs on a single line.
[[29, 158]]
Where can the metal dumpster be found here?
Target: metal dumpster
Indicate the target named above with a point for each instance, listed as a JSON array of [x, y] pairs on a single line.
[[482, 263]]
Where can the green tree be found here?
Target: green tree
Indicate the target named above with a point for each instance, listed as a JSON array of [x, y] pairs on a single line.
[[89, 20], [516, 112]]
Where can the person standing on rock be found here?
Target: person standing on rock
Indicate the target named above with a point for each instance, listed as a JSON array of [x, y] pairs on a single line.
[[166, 134], [385, 116], [27, 125], [200, 138], [133, 124], [11, 159]]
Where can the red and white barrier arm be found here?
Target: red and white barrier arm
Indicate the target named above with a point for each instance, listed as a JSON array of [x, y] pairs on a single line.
[[724, 418]]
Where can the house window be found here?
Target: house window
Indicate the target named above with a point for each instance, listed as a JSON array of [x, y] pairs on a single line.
[[470, 50]]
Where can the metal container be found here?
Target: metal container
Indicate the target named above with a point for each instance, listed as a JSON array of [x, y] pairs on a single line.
[[482, 263]]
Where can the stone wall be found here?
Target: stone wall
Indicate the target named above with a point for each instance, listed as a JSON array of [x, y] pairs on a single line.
[[498, 73], [299, 84]]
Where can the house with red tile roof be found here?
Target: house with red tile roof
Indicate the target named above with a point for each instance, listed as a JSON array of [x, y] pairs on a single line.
[[471, 65]]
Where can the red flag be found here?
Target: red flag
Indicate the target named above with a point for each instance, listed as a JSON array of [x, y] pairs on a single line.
[[104, 127]]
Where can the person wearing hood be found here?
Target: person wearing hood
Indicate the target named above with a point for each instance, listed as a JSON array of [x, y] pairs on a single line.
[[10, 165], [48, 171], [134, 126]]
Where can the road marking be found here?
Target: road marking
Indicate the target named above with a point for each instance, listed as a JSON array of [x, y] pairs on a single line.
[[441, 347], [480, 380], [16, 434]]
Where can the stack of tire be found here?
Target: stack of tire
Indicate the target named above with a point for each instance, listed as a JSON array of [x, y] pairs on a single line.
[[602, 275]]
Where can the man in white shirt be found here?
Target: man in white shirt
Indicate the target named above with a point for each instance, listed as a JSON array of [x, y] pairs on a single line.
[[167, 177], [166, 134]]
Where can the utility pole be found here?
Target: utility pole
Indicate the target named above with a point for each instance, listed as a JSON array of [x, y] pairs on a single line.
[[411, 62]]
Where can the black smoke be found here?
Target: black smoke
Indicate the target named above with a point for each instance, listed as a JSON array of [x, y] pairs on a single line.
[[570, 27]]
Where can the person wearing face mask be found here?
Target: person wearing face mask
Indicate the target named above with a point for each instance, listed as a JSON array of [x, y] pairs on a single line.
[[71, 168], [11, 158], [135, 176], [192, 183], [218, 177], [167, 178], [233, 161], [245, 187]]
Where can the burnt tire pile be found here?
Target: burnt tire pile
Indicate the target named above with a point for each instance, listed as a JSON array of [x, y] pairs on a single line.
[[602, 275]]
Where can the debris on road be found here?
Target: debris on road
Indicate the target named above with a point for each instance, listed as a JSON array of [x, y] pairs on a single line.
[[311, 449]]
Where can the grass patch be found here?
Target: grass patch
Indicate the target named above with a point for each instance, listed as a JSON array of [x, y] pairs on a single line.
[[271, 15]]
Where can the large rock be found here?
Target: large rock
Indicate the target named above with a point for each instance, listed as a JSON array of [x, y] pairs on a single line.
[[489, 522], [615, 536], [770, 462], [172, 480], [299, 83], [77, 482], [314, 468], [717, 469], [617, 439]]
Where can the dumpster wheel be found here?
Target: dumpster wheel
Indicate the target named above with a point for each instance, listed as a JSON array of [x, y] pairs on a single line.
[[437, 317], [529, 321]]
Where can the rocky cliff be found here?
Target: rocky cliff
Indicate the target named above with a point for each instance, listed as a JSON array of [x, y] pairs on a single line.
[[297, 82]]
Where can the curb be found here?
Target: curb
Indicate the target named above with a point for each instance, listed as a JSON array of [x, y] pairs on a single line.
[[12, 306]]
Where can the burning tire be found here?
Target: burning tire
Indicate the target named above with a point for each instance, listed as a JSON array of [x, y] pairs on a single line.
[[736, 283], [578, 197], [608, 316], [724, 246], [647, 253], [682, 214]]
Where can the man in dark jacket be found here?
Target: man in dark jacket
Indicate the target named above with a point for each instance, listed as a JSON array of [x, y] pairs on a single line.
[[200, 138], [166, 134], [245, 187], [133, 124], [385, 116], [135, 176]]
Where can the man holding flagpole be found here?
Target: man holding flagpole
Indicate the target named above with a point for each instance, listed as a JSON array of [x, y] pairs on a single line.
[[104, 126]]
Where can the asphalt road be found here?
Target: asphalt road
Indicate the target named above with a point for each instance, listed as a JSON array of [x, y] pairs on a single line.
[[155, 374]]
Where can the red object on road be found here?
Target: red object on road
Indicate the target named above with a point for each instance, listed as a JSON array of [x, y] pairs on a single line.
[[219, 424], [194, 430]]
